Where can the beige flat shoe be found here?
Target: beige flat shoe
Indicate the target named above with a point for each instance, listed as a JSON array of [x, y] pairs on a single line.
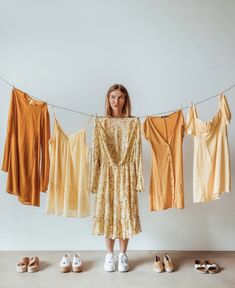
[[33, 265], [169, 266], [65, 263], [157, 264], [77, 263], [200, 266], [212, 267], [22, 265]]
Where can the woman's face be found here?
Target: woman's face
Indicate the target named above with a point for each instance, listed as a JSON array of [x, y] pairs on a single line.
[[117, 101]]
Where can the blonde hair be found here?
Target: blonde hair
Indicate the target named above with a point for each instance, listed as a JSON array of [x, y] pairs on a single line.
[[126, 111]]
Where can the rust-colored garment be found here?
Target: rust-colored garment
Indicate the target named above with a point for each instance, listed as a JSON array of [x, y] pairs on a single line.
[[26, 156], [165, 135]]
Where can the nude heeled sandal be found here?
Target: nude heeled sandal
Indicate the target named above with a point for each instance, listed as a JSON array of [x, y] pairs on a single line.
[[200, 266], [33, 265], [22, 265], [212, 267]]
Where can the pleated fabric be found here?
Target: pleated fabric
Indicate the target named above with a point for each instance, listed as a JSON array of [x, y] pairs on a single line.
[[116, 176], [211, 164], [26, 155], [68, 193]]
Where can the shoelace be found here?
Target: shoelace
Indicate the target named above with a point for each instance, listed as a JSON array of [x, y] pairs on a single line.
[[123, 259], [111, 259]]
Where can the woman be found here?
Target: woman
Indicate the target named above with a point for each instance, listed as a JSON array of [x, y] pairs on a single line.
[[116, 175]]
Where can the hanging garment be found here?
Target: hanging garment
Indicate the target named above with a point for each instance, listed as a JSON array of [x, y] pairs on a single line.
[[211, 164], [165, 134], [26, 156], [68, 181], [116, 176]]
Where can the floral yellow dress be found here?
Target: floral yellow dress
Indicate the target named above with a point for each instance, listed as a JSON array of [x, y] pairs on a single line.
[[116, 176]]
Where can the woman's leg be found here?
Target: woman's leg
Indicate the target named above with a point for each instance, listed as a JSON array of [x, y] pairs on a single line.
[[109, 244], [123, 265], [123, 243], [109, 263]]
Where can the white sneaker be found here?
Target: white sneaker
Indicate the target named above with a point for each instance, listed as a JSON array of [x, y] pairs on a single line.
[[109, 264], [123, 265], [65, 263], [77, 263]]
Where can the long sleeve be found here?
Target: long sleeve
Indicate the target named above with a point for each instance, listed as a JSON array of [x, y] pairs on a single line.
[[95, 161], [45, 137], [139, 160], [7, 148]]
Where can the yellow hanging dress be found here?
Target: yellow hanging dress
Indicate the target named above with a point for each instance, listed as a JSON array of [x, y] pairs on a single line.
[[68, 193], [211, 164], [165, 134]]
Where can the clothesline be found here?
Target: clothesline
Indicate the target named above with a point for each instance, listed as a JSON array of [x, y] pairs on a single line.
[[91, 115]]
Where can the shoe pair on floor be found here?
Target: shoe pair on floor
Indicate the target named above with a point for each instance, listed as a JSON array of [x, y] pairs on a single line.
[[110, 262], [166, 265], [206, 266], [27, 264], [66, 263]]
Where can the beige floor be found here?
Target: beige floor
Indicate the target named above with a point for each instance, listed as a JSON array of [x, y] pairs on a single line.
[[141, 273]]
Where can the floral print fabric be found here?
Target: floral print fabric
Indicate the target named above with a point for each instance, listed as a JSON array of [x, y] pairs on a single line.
[[116, 176]]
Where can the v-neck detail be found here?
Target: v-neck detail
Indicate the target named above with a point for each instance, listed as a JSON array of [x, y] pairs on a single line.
[[167, 141], [68, 137]]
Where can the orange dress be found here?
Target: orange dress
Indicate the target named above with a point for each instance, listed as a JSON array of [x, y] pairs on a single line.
[[26, 155], [165, 135]]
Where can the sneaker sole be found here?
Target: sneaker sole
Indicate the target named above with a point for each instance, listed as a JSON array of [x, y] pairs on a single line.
[[123, 270], [108, 269]]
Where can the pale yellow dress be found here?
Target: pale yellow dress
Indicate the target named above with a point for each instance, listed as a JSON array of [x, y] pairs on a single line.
[[116, 176], [68, 193], [211, 164]]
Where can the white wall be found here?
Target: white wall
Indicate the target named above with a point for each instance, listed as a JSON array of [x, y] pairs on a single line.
[[167, 53]]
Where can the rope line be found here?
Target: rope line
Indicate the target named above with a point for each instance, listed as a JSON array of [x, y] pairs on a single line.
[[91, 115]]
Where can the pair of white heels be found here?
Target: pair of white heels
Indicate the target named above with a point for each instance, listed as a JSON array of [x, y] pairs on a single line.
[[66, 263]]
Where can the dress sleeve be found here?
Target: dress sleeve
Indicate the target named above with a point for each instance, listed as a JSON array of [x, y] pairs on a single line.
[[145, 129], [95, 160], [10, 123], [139, 160], [45, 137], [190, 123], [225, 109]]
